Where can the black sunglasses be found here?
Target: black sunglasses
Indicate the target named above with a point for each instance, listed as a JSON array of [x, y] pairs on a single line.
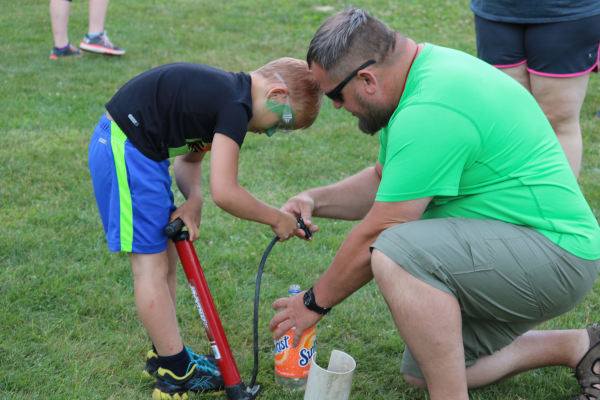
[[335, 94]]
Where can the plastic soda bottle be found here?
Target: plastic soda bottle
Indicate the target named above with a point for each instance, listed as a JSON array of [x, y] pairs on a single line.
[[292, 363]]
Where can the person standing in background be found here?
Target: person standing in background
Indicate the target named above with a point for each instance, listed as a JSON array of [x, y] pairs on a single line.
[[549, 47], [95, 40]]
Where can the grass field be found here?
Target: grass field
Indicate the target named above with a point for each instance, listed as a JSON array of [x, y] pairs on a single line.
[[68, 324]]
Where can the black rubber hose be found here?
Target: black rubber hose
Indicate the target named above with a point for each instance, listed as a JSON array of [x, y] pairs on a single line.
[[256, 300], [308, 235]]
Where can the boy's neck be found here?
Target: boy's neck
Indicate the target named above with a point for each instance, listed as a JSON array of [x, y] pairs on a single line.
[[259, 88], [258, 91]]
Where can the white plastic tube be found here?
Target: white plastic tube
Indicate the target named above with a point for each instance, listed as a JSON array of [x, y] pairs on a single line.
[[333, 383]]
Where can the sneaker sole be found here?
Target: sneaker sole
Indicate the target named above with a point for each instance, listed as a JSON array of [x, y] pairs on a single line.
[[159, 395], [100, 49], [147, 374], [53, 57]]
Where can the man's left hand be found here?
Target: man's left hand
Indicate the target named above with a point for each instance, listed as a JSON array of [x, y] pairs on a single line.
[[294, 314]]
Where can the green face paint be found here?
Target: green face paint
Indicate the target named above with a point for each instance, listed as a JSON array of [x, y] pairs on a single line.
[[285, 113], [283, 110]]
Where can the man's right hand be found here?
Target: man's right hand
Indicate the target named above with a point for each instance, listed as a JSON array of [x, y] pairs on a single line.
[[301, 205]]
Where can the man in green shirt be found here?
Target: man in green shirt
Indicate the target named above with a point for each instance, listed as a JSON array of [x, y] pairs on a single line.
[[473, 224]]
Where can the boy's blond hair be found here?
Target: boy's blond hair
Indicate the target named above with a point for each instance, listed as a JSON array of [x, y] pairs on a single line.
[[304, 92]]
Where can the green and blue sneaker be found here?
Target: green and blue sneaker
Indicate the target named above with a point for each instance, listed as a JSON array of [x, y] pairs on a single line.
[[197, 379], [207, 361]]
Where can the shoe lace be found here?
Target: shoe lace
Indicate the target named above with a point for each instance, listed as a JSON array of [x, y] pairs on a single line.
[[202, 362], [106, 40]]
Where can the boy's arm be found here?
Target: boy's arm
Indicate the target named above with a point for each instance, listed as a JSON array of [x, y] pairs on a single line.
[[188, 175], [231, 197]]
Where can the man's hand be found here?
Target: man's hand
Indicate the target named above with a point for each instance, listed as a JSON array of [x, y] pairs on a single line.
[[301, 205], [190, 213], [295, 314]]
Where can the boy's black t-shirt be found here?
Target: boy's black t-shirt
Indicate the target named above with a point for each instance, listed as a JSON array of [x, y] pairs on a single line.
[[177, 108]]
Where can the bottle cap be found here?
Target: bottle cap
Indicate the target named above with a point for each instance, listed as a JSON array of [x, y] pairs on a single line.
[[294, 289]]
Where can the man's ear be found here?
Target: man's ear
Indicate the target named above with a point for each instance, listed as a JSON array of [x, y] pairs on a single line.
[[368, 81]]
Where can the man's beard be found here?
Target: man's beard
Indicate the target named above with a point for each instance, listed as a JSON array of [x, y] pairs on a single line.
[[376, 117]]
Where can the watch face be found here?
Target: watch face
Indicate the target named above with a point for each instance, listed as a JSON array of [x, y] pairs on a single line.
[[306, 299]]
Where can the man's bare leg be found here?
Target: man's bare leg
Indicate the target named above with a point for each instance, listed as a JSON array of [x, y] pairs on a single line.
[[421, 312], [429, 322], [534, 349]]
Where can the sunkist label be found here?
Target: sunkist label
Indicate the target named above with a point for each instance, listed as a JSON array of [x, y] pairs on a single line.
[[294, 362]]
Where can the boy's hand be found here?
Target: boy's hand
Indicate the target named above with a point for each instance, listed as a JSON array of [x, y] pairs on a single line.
[[302, 206], [190, 213], [286, 226]]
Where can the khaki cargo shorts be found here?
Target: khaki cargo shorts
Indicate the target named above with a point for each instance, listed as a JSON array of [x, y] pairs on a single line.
[[506, 278]]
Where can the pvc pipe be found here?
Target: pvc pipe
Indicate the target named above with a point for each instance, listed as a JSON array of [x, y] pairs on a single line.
[[333, 383]]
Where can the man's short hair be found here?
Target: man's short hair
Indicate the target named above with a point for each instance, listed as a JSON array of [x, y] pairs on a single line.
[[352, 36]]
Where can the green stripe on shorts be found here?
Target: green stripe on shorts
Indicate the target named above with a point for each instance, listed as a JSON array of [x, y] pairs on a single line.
[[117, 143]]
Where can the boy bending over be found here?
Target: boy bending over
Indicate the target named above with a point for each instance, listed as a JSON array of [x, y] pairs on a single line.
[[183, 110]]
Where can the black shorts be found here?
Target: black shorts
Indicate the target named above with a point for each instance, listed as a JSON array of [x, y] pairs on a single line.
[[558, 49]]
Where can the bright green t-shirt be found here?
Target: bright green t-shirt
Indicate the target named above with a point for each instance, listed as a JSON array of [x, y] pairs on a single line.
[[476, 140]]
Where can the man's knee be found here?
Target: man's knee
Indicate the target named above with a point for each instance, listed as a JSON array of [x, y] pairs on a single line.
[[380, 262], [414, 381]]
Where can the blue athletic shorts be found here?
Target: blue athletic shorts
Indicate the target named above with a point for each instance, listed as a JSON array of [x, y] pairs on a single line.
[[132, 191], [559, 49]]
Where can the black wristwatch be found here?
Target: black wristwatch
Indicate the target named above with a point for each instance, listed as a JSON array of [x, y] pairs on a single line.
[[309, 302]]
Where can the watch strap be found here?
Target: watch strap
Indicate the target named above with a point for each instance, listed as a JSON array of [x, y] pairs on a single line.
[[311, 304]]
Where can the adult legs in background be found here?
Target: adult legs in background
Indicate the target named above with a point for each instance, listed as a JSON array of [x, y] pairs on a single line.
[[59, 19], [95, 40], [561, 100], [551, 60], [520, 74], [97, 15]]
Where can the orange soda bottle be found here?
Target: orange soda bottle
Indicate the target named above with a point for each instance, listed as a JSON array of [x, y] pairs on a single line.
[[292, 363]]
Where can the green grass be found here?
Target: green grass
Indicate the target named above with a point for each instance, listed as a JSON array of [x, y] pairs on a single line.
[[68, 325]]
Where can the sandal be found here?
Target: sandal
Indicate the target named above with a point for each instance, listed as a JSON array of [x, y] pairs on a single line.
[[584, 372]]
